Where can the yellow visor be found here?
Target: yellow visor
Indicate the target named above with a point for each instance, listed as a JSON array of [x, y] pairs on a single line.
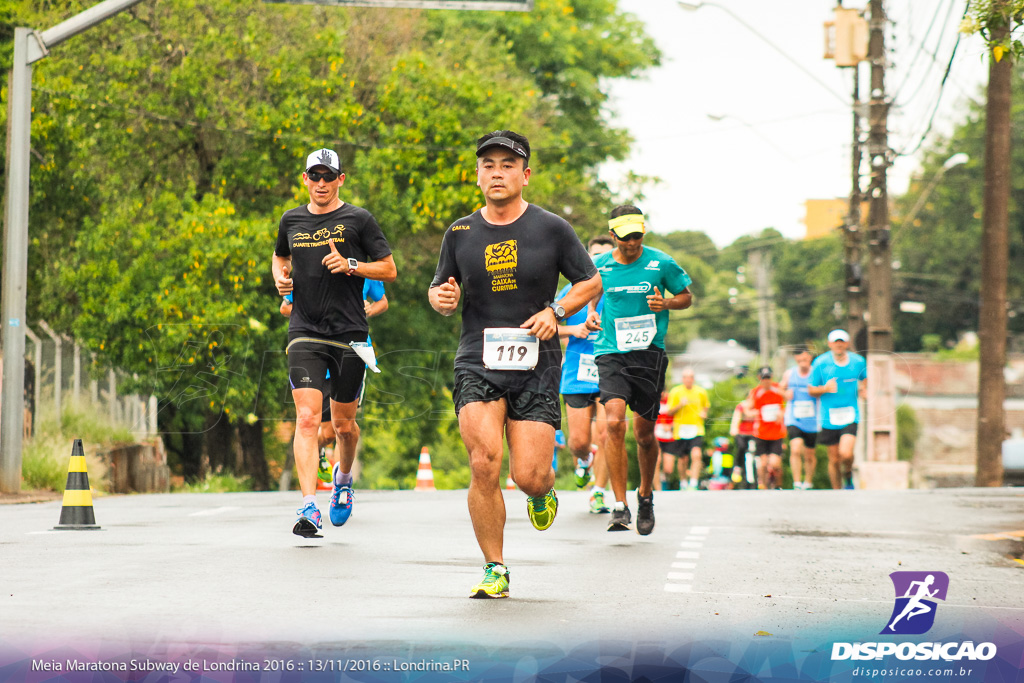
[[627, 225]]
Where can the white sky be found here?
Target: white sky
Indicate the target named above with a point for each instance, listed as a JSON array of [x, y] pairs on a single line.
[[785, 137]]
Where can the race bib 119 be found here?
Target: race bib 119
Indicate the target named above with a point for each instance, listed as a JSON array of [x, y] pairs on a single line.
[[510, 348]]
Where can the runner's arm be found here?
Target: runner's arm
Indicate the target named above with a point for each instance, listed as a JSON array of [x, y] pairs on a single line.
[[281, 268], [383, 270]]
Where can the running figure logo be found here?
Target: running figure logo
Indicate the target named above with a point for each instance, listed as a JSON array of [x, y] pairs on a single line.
[[916, 593]]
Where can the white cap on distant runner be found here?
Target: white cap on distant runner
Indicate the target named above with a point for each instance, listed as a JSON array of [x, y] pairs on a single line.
[[838, 335]]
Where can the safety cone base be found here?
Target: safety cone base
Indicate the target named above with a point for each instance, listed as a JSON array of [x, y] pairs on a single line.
[[425, 473], [76, 513]]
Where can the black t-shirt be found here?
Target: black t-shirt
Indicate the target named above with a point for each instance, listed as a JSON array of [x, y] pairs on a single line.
[[327, 305], [507, 274]]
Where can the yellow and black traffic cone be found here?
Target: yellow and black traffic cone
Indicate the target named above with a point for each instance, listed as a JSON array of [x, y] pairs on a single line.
[[76, 512]]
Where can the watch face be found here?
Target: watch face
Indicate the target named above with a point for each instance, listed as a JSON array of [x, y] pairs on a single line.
[[352, 263]]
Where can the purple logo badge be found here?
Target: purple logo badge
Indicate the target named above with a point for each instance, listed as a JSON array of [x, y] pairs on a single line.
[[916, 595]]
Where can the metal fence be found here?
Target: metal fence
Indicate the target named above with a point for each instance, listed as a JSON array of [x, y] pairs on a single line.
[[61, 376]]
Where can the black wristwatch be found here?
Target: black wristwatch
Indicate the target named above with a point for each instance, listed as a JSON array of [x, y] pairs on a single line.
[[558, 310]]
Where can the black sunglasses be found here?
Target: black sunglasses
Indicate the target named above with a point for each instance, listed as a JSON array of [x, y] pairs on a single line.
[[316, 176], [630, 237]]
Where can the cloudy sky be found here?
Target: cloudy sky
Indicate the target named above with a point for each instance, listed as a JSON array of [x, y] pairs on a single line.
[[741, 135]]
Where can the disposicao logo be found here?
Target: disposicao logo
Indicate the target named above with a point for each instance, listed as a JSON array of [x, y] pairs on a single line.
[[913, 614], [916, 595]]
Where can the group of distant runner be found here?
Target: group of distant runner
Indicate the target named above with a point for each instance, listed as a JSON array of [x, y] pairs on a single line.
[[503, 263]]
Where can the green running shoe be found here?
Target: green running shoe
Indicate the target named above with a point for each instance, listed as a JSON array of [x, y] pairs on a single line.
[[542, 509], [323, 470], [494, 584], [597, 504], [582, 474]]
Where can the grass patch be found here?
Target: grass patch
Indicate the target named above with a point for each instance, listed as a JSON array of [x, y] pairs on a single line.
[[216, 483], [46, 456]]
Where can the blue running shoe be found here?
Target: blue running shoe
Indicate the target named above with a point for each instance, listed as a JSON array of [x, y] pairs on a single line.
[[308, 523], [342, 499]]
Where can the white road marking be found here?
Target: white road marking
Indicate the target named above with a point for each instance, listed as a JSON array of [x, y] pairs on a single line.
[[684, 565], [702, 530], [688, 544], [687, 555], [680, 576], [678, 588], [212, 511]]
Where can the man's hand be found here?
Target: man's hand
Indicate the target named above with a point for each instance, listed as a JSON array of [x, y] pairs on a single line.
[[334, 261], [656, 302], [593, 321], [579, 331], [832, 386], [284, 283], [542, 325], [448, 297]]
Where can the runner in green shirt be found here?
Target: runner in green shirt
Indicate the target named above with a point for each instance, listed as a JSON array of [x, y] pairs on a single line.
[[630, 352]]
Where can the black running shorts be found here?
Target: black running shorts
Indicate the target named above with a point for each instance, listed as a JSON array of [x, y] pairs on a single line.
[[580, 401], [637, 377], [809, 438], [535, 401], [767, 446], [309, 361], [830, 437]]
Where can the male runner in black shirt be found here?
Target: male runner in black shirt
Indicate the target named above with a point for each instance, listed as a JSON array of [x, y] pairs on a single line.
[[324, 250], [507, 256]]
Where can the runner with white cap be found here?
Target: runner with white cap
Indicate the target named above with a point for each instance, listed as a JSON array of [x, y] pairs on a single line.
[[838, 378]]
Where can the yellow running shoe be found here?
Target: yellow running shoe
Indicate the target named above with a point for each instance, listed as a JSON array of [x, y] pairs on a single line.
[[494, 584], [323, 470], [542, 509]]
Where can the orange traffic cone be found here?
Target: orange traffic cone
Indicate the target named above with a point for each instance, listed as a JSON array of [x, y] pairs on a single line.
[[76, 512], [509, 484], [425, 475]]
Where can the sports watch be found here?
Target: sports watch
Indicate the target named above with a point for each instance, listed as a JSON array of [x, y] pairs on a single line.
[[558, 310], [352, 265]]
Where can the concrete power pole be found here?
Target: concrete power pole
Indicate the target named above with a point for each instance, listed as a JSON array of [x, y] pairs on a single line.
[[881, 469], [759, 260]]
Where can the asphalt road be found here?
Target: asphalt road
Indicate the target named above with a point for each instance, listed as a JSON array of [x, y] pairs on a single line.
[[225, 567]]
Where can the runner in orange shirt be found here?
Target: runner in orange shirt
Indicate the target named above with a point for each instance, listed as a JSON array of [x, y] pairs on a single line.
[[768, 398]]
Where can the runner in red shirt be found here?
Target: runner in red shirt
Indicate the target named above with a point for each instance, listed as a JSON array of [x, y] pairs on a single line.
[[767, 398]]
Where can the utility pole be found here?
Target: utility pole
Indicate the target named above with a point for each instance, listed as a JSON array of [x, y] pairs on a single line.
[[881, 402], [995, 249], [846, 42], [29, 47], [759, 260], [852, 255]]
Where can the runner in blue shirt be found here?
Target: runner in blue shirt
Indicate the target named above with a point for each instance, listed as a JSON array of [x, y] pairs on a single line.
[[580, 390], [801, 420], [837, 379]]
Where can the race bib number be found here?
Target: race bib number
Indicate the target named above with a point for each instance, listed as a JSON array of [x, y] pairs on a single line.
[[636, 332], [588, 369], [770, 412], [687, 431], [840, 417], [663, 432], [510, 348], [803, 409]]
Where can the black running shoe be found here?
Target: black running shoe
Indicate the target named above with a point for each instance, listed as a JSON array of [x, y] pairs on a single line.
[[644, 514], [620, 520]]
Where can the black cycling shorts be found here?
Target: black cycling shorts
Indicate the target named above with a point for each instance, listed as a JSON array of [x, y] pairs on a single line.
[[809, 438], [532, 402], [637, 377], [309, 362], [580, 401], [681, 448]]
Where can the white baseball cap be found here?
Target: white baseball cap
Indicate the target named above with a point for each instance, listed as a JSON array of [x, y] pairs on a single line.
[[324, 157], [838, 335]]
